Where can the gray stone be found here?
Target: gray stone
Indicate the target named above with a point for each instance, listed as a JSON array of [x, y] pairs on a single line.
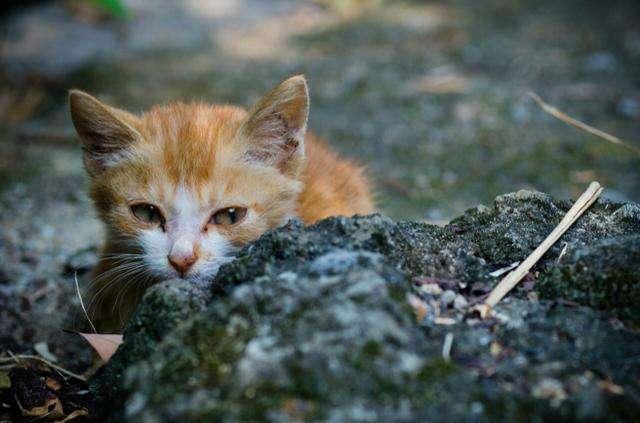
[[313, 323]]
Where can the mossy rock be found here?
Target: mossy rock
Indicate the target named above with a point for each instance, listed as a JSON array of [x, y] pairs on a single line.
[[313, 323]]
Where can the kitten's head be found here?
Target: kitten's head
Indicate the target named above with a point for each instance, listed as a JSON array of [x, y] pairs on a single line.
[[183, 186]]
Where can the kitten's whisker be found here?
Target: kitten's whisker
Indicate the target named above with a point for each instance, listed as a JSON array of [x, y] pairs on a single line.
[[124, 288], [110, 272], [113, 283]]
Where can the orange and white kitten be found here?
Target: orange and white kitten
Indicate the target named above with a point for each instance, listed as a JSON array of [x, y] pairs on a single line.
[[183, 187]]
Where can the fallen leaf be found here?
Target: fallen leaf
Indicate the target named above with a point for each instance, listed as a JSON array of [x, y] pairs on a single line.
[[51, 408], [104, 344], [75, 414], [52, 384], [5, 382], [419, 308], [495, 348], [611, 387]]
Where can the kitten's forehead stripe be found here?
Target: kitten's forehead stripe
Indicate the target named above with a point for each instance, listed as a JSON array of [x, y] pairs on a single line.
[[190, 139]]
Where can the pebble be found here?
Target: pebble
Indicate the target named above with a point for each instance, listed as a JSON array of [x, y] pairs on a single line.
[[550, 389], [82, 261], [460, 302], [431, 289], [448, 297], [629, 108], [602, 61]]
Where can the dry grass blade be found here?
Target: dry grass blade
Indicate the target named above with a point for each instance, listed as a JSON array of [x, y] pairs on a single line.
[[580, 125], [18, 358], [511, 280]]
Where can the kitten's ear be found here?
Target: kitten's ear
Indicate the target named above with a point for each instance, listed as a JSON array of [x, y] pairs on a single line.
[[273, 133], [106, 132]]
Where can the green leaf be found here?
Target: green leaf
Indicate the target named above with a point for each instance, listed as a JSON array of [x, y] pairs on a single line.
[[115, 7]]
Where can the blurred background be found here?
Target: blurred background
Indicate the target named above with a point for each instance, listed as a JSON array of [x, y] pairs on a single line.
[[429, 95]]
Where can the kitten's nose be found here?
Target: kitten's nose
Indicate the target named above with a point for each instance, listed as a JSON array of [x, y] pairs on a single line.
[[182, 263], [182, 256]]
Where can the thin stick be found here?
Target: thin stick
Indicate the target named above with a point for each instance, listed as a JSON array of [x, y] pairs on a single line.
[[511, 280], [580, 125], [75, 278], [446, 347]]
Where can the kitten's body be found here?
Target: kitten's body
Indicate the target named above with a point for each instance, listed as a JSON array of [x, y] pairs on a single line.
[[198, 167]]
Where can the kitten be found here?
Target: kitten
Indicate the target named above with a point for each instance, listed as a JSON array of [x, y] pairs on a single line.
[[183, 187]]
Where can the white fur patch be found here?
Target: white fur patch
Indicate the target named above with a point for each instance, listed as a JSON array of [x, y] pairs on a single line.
[[185, 233]]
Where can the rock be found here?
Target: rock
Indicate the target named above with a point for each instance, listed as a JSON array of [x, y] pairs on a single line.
[[313, 323], [550, 389], [431, 289], [81, 261], [604, 274], [447, 298], [460, 302]]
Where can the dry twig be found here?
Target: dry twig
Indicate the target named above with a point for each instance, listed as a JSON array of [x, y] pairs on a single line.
[[18, 358], [511, 280], [580, 125]]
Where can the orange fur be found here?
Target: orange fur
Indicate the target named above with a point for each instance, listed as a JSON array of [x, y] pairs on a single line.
[[223, 156]]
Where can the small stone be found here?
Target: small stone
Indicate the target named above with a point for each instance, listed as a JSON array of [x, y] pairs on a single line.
[[629, 107], [431, 289], [550, 389], [460, 302], [81, 261], [601, 61], [448, 297]]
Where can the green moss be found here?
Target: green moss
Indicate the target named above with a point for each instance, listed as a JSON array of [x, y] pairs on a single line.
[[605, 275]]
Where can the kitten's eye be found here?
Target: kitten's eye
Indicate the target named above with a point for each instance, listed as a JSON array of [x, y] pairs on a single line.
[[147, 213], [228, 216]]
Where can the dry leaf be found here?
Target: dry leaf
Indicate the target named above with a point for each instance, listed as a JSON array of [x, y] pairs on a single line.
[[419, 308], [495, 348], [611, 387], [52, 384], [104, 344], [52, 408], [5, 382], [75, 414]]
